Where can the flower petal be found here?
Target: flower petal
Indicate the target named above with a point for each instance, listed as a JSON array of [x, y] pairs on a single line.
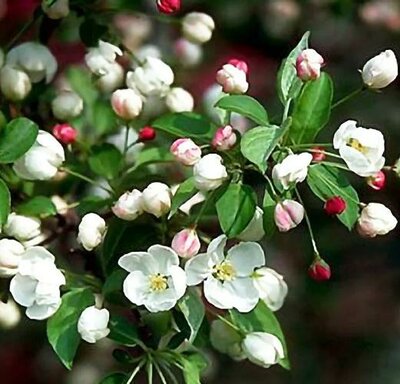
[[215, 249], [243, 292], [41, 312], [136, 287], [217, 294], [161, 301], [138, 261], [23, 289], [165, 258], [245, 257], [198, 269], [178, 277]]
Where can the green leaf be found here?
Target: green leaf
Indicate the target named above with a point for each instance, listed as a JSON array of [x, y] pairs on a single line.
[[103, 117], [17, 138], [312, 110], [193, 364], [62, 327], [235, 208], [81, 82], [185, 191], [258, 143], [90, 32], [112, 288], [261, 319], [123, 331], [246, 106], [153, 155], [92, 204], [39, 206], [269, 205], [326, 182], [5, 202], [288, 83], [192, 308], [106, 161], [186, 124], [115, 378]]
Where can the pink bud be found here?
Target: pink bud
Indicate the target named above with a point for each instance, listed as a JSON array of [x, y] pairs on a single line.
[[318, 154], [64, 133], [147, 134], [186, 243], [168, 6], [319, 270], [224, 138], [378, 181], [335, 205], [308, 65], [288, 215], [240, 64], [232, 79], [186, 151]]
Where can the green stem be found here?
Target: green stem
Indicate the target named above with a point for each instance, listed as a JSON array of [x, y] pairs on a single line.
[[310, 145], [160, 374], [271, 185], [348, 97], [286, 110], [203, 208], [227, 322], [169, 372], [25, 28], [331, 154], [135, 372], [336, 165]]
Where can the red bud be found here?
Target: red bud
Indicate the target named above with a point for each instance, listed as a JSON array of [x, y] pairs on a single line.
[[147, 134], [168, 6], [65, 133], [378, 181], [239, 64], [319, 270], [335, 205], [318, 154]]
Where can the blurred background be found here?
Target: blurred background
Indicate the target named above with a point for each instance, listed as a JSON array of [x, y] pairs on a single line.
[[346, 330]]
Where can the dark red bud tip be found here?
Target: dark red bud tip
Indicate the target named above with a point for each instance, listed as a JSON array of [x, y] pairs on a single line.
[[377, 181], [239, 64], [65, 133], [335, 205], [319, 270], [318, 154], [168, 6], [147, 134]]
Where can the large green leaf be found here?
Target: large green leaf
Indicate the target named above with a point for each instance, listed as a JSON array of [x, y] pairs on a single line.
[[106, 161], [312, 110], [39, 206], [17, 138], [81, 82], [235, 208], [288, 83], [326, 182], [269, 205], [185, 191], [186, 124], [62, 327], [123, 331], [192, 308], [152, 156], [5, 202], [246, 106], [261, 319], [258, 143], [115, 378]]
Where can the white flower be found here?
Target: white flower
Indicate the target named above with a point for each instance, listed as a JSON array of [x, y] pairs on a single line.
[[209, 172], [179, 100], [10, 255], [101, 59], [381, 70], [112, 80], [145, 51], [188, 53], [292, 170], [255, 229], [10, 315], [126, 103], [198, 198], [227, 278], [37, 284], [271, 287], [226, 340], [361, 148], [154, 77], [198, 27], [57, 10], [186, 151], [67, 105], [42, 160], [156, 199], [15, 84], [375, 219], [263, 349], [129, 205], [35, 59], [91, 231], [155, 279], [232, 79], [288, 214], [93, 324], [23, 228], [60, 204]]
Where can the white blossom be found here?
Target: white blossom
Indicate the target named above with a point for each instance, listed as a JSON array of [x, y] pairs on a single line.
[[57, 10], [156, 199], [197, 27], [10, 315], [23, 228], [381, 70], [179, 100], [375, 219], [113, 79], [209, 172], [10, 256], [14, 83], [91, 231], [67, 105], [93, 324], [129, 205], [101, 59]]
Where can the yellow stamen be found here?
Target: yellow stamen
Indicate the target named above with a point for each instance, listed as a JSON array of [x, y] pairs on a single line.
[[158, 283], [354, 143], [224, 271]]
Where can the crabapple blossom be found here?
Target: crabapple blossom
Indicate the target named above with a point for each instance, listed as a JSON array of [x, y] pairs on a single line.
[[93, 324], [10, 256], [198, 198], [67, 105], [42, 160], [156, 199], [375, 219], [318, 154], [10, 315], [186, 151], [232, 79], [101, 59], [57, 10], [228, 281], [126, 103], [186, 243], [361, 148], [335, 205], [188, 53], [319, 270], [377, 181], [91, 231], [168, 6], [23, 228], [255, 229], [308, 65], [60, 204], [65, 133], [239, 64], [147, 134], [129, 205], [155, 279], [198, 27], [112, 80], [381, 70], [14, 83], [179, 100], [288, 215], [224, 138], [209, 172]]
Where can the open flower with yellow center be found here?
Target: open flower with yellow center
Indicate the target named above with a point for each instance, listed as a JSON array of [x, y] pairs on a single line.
[[227, 278], [361, 148], [155, 279]]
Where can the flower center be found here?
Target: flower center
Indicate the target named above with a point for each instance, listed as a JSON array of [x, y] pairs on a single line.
[[354, 143], [158, 283], [224, 271]]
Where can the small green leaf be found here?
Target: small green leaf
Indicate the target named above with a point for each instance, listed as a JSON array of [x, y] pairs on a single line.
[[103, 117], [92, 204], [261, 319], [288, 82], [152, 156], [5, 202], [312, 110], [193, 365], [90, 32], [81, 82], [115, 378], [192, 308], [123, 331], [246, 106], [112, 288], [269, 205], [326, 182], [39, 206], [235, 208], [185, 191], [17, 138], [186, 124], [62, 327], [106, 161]]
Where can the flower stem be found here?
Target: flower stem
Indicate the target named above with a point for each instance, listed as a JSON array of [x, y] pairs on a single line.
[[203, 208], [336, 165], [135, 372], [25, 28], [348, 97], [310, 145], [331, 154]]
